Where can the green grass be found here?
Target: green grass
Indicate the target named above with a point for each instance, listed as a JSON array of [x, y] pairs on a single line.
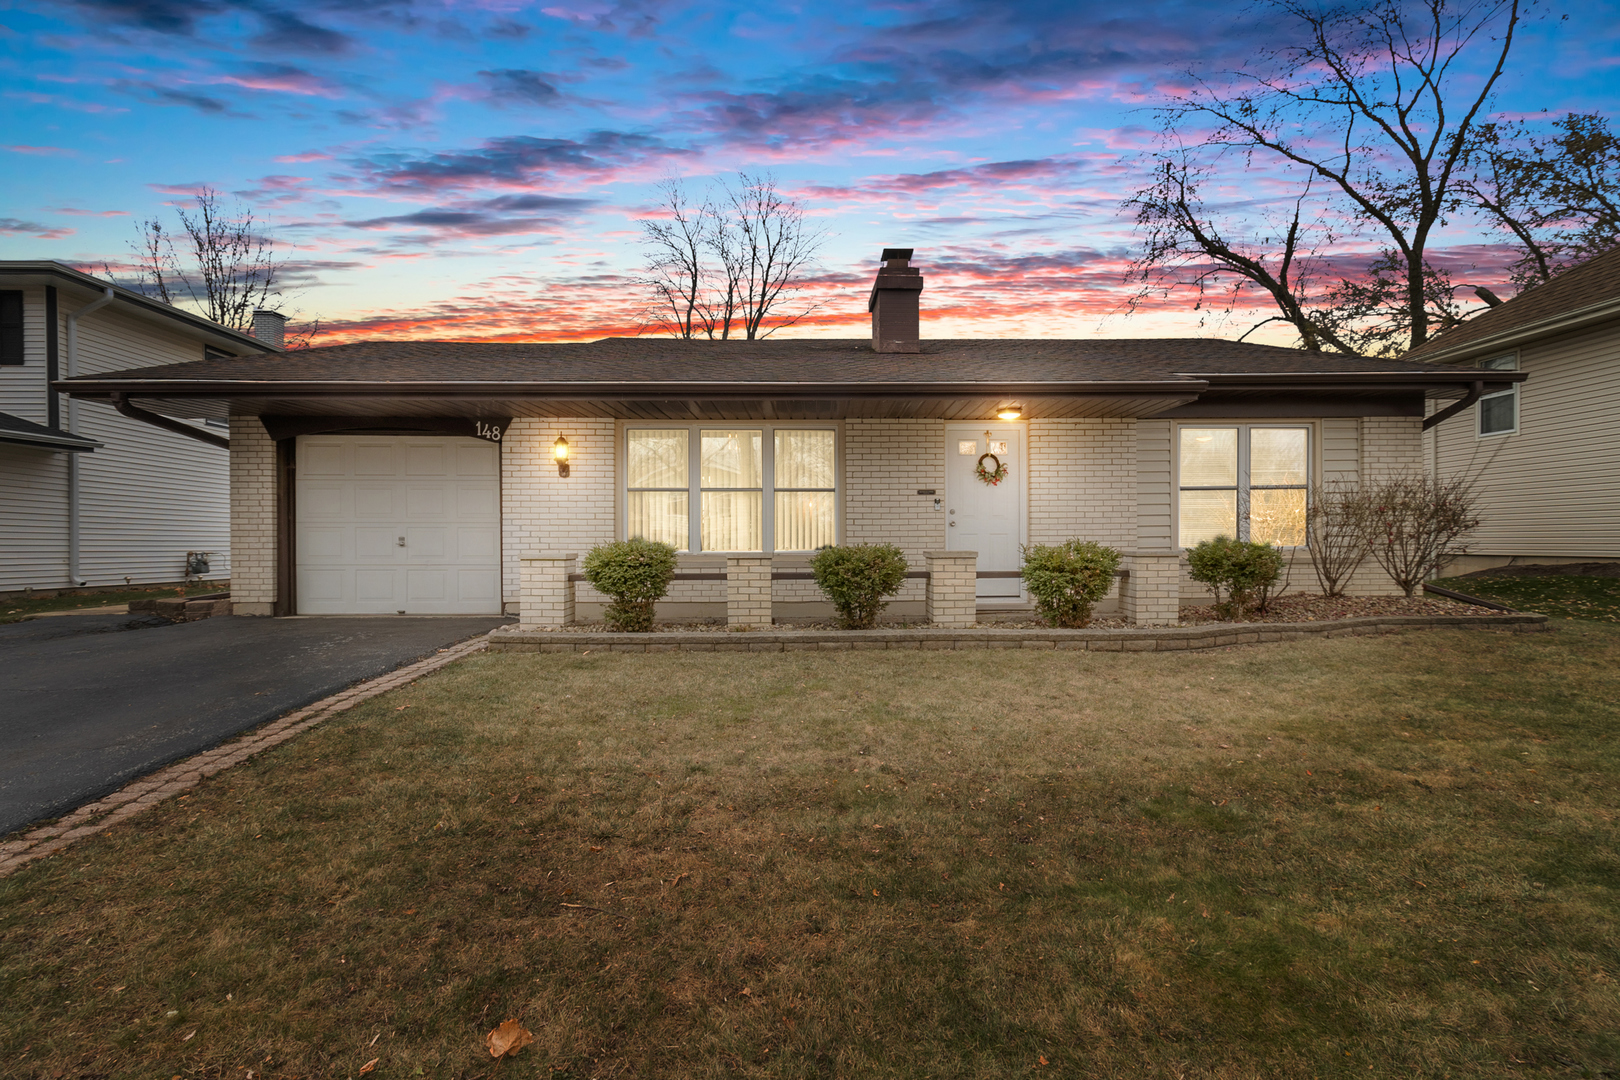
[[1562, 596], [18, 608], [1368, 857]]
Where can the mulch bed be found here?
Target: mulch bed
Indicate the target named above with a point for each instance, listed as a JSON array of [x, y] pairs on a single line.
[[1313, 607]]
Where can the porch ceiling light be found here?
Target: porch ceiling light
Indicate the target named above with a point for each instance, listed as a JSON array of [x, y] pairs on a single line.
[[1010, 412], [559, 451]]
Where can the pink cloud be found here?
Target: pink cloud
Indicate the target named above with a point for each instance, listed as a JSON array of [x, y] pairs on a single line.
[[298, 159], [42, 151]]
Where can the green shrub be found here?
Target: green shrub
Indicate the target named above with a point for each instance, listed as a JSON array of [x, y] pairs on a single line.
[[1244, 572], [1068, 578], [857, 578], [636, 574]]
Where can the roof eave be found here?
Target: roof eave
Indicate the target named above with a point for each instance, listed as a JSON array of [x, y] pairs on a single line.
[[1563, 323]]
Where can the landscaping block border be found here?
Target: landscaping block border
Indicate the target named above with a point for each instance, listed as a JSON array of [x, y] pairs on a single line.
[[1146, 639]]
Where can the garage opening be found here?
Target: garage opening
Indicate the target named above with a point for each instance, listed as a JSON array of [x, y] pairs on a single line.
[[397, 524]]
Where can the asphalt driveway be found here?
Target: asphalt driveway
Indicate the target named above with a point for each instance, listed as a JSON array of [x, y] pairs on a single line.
[[89, 702]]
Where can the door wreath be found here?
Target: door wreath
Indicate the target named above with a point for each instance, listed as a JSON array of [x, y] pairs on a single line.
[[991, 476]]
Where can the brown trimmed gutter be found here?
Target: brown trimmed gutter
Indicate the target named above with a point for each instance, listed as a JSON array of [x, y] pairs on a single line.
[[121, 403], [1456, 406]]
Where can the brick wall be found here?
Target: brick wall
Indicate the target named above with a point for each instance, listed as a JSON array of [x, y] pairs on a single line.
[[541, 511], [253, 517], [885, 463], [1082, 481]]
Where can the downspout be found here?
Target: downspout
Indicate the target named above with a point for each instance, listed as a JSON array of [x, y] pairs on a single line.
[[1456, 406], [122, 404], [72, 417]]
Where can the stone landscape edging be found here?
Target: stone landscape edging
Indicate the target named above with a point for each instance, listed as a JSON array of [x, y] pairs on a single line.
[[166, 783], [1139, 639]]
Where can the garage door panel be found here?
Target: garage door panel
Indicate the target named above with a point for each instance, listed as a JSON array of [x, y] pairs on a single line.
[[321, 459], [425, 501], [478, 544], [374, 502], [356, 496], [319, 501]]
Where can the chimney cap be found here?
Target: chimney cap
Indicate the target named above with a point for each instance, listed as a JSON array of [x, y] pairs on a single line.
[[897, 253]]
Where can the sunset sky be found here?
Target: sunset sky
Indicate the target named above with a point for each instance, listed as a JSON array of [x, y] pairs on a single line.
[[475, 169]]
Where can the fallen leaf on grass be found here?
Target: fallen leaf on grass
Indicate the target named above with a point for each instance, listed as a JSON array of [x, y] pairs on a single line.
[[508, 1039], [368, 1066], [189, 1037]]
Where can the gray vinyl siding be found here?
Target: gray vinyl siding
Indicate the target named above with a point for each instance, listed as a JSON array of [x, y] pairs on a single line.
[[1155, 480], [1552, 488], [146, 497], [1341, 448], [33, 518]]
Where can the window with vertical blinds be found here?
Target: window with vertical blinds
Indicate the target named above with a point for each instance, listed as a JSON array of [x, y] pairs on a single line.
[[732, 487]]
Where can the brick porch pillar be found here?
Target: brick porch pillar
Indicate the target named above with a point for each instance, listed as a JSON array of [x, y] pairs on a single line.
[[547, 597], [748, 590], [1150, 595], [952, 588]]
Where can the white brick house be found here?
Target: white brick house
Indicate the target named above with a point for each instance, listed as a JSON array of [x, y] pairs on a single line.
[[416, 476]]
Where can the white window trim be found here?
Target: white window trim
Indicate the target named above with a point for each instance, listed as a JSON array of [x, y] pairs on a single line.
[[1313, 465], [1512, 391], [768, 477]]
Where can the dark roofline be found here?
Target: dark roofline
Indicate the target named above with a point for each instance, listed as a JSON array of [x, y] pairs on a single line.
[[19, 432], [1562, 323], [53, 269]]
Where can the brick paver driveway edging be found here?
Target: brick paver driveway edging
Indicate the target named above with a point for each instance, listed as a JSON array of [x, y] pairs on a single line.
[[1145, 639], [152, 789]]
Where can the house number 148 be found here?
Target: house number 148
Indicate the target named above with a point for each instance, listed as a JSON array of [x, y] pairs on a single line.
[[492, 432]]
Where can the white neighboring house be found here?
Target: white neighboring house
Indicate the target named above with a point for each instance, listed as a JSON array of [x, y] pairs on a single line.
[[89, 496], [1543, 455]]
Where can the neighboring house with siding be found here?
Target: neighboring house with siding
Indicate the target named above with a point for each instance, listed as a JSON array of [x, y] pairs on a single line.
[[89, 496], [416, 476], [1544, 455]]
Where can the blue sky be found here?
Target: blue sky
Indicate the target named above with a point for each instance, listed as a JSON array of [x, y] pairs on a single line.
[[475, 169]]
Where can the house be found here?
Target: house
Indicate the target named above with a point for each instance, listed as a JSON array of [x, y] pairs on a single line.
[[90, 495], [417, 476], [1543, 455]]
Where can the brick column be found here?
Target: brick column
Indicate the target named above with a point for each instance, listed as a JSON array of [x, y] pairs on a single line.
[[748, 590], [952, 587], [547, 594], [253, 518], [1150, 595]]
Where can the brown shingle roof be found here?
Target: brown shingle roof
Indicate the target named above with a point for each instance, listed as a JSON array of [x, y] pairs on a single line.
[[1590, 286], [805, 360]]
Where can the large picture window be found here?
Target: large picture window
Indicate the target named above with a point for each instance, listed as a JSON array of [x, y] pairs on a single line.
[[1499, 412], [1245, 481], [762, 488]]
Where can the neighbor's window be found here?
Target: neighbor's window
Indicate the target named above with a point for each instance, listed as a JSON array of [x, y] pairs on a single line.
[[11, 326], [1499, 412], [755, 489], [1244, 481]]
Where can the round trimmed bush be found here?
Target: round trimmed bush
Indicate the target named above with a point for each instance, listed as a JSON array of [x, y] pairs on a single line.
[[636, 573], [1067, 579], [857, 578], [1244, 571]]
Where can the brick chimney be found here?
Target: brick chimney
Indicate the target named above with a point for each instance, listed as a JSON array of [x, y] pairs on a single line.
[[894, 304], [270, 327]]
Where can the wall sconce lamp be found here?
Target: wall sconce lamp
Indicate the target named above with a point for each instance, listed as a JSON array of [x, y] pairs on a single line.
[[559, 451], [1010, 412]]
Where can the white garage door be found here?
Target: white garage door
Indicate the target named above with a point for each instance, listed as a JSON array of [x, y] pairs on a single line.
[[389, 524]]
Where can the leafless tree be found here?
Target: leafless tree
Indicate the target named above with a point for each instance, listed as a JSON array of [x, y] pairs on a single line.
[[736, 261], [1557, 195], [1415, 524], [1336, 533], [1372, 111], [221, 262]]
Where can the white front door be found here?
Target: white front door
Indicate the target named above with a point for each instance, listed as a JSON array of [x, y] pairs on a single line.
[[389, 524], [983, 517]]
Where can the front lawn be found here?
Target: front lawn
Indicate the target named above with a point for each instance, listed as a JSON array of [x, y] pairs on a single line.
[[1363, 857], [1563, 596]]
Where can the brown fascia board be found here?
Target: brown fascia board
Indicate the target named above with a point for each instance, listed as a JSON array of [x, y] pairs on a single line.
[[211, 331], [1563, 323], [85, 386], [1440, 381]]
